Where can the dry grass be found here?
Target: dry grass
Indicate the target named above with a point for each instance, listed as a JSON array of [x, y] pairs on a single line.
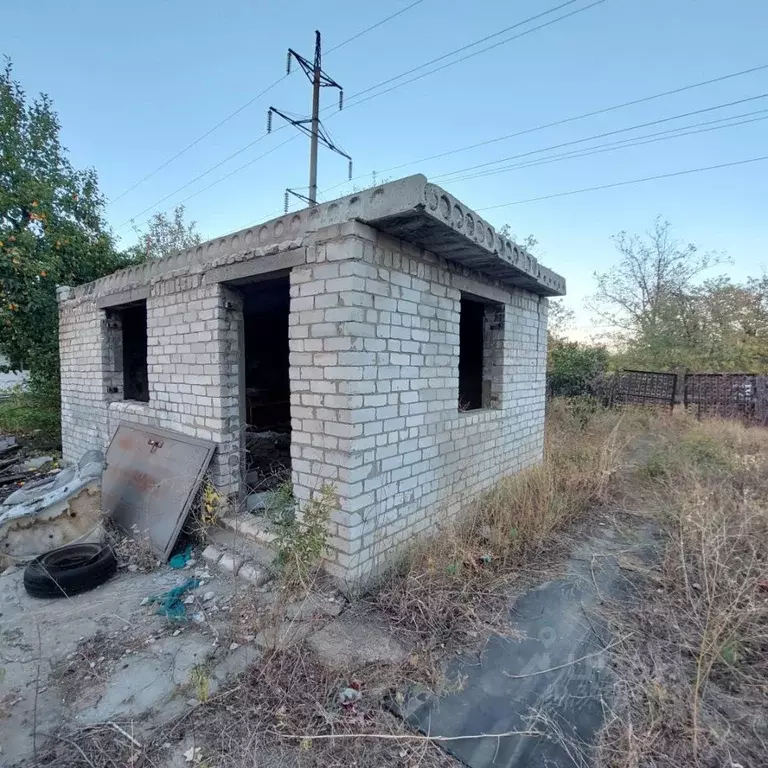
[[695, 673], [453, 587], [262, 720], [450, 592], [134, 549], [289, 696], [692, 669], [100, 746]]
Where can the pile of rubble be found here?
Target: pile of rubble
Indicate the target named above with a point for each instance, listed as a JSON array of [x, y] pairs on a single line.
[[50, 506]]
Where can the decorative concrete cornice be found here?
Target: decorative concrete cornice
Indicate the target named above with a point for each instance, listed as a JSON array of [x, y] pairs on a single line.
[[411, 208]]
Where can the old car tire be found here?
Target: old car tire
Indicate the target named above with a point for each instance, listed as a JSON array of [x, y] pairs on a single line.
[[69, 570]]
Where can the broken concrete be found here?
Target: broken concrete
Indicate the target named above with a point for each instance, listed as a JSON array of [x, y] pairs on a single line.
[[102, 655], [258, 501], [237, 548], [59, 510], [36, 463], [147, 680], [314, 606], [351, 642]]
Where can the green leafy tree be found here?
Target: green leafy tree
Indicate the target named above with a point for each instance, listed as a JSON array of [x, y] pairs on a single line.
[[667, 316], [735, 318], [52, 232], [574, 367], [165, 235], [652, 270], [717, 326], [560, 317]]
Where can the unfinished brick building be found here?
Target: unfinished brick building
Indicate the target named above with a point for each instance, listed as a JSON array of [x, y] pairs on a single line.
[[390, 343]]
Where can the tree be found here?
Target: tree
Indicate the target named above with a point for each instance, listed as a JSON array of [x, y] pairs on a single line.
[[52, 232], [529, 242], [560, 317], [735, 317], [717, 325], [166, 235], [651, 273]]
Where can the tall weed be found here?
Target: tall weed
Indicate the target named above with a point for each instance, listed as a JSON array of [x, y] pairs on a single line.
[[700, 639], [446, 582]]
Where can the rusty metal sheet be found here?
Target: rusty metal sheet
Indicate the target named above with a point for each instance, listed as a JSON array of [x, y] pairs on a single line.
[[151, 479]]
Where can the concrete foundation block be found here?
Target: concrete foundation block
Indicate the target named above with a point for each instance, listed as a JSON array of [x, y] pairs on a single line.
[[230, 563], [212, 554], [253, 574]]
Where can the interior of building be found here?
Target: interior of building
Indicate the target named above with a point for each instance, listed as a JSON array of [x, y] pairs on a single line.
[[267, 387]]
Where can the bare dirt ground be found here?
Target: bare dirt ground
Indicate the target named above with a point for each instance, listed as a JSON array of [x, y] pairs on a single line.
[[100, 656], [103, 681]]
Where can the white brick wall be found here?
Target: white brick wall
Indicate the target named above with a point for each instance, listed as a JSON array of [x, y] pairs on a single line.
[[192, 365], [84, 359], [409, 456], [374, 349]]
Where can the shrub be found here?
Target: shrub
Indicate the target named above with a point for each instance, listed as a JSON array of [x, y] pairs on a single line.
[[302, 540], [573, 367], [28, 415]]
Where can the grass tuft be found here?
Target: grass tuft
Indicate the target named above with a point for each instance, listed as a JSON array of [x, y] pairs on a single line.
[[695, 671], [451, 586], [28, 416]]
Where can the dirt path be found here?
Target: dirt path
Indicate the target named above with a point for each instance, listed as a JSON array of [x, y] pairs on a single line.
[[554, 678]]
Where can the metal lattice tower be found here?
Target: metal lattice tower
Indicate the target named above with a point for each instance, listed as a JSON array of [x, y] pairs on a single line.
[[312, 125]]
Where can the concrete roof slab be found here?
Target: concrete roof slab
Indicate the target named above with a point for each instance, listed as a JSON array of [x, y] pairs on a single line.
[[411, 209]]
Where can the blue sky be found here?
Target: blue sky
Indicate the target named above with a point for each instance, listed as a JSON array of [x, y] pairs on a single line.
[[134, 83]]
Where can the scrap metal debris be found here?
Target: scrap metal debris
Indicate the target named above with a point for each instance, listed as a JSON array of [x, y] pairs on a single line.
[[51, 510], [8, 444], [151, 480]]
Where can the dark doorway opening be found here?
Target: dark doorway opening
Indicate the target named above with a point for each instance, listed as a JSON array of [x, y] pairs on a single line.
[[267, 396], [134, 322]]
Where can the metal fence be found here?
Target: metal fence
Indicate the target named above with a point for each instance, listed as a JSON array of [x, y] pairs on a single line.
[[741, 396], [638, 387], [727, 395]]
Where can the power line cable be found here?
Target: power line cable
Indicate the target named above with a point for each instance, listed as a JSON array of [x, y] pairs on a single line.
[[237, 170], [251, 101], [199, 139], [247, 146], [624, 144], [372, 27], [206, 172], [560, 122], [462, 48], [627, 182], [470, 55], [445, 176], [575, 191]]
